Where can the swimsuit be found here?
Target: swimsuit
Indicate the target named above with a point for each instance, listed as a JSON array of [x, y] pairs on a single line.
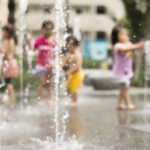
[[74, 81]]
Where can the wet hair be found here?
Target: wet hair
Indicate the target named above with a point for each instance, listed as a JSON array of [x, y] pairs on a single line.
[[73, 40], [11, 32], [114, 34], [46, 23]]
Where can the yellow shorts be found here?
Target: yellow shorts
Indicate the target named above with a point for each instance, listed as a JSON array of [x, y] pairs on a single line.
[[74, 81]]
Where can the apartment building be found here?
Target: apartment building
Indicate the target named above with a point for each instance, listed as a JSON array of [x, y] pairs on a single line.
[[94, 18], [3, 12]]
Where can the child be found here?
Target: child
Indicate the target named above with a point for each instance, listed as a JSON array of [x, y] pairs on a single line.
[[45, 45], [10, 66], [74, 74], [123, 64]]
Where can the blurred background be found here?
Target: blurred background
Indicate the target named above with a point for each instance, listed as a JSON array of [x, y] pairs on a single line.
[[91, 21]]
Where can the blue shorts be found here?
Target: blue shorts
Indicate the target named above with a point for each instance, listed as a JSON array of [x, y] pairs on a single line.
[[42, 71]]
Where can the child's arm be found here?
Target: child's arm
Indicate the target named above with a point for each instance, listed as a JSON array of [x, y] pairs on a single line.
[[28, 41], [74, 68], [65, 61], [36, 44], [4, 47], [8, 46], [1, 49], [131, 46], [12, 45]]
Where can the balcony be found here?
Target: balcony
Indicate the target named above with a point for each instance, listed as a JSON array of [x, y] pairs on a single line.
[[93, 22]]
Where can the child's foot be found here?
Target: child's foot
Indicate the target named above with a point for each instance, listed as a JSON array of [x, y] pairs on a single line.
[[73, 104], [12, 106], [5, 100], [121, 107], [41, 103], [131, 107], [50, 102]]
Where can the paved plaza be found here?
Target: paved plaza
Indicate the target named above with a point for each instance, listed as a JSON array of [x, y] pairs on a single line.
[[95, 123]]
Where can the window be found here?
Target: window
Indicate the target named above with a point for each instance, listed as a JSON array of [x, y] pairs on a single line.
[[81, 9], [34, 7], [78, 10], [100, 35], [101, 10], [47, 9], [39, 8], [86, 35], [35, 33]]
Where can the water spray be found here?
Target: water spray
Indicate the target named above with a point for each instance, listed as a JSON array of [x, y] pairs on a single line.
[[1, 59], [22, 9], [60, 39]]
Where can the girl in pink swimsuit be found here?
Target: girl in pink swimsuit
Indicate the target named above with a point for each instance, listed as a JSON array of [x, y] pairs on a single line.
[[45, 45], [10, 66], [123, 64]]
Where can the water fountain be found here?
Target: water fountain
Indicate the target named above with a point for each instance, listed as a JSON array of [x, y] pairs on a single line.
[[23, 4], [59, 141], [76, 31], [60, 29]]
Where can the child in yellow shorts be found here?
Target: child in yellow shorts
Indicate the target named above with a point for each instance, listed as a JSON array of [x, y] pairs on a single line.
[[74, 74], [74, 81]]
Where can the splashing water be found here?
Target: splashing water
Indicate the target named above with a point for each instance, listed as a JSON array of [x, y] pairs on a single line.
[[60, 142], [22, 26], [77, 32], [29, 52], [30, 71], [60, 25], [71, 144]]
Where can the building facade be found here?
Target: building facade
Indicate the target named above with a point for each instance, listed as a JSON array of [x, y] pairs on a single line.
[[3, 12], [94, 18]]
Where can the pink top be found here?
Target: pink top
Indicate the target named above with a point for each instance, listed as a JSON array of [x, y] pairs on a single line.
[[46, 52], [122, 63]]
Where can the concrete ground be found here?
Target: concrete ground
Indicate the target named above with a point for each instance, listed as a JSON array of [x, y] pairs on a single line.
[[95, 123]]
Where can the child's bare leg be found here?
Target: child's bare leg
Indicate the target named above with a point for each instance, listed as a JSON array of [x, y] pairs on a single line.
[[40, 90], [120, 99], [68, 91], [11, 94], [129, 105], [73, 99]]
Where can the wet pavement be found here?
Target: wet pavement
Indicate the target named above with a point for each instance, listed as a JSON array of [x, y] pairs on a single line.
[[94, 125]]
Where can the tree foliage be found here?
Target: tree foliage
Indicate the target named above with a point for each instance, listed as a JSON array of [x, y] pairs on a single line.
[[138, 15]]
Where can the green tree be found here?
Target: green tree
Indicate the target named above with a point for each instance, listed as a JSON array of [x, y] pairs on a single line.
[[138, 15], [138, 19]]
